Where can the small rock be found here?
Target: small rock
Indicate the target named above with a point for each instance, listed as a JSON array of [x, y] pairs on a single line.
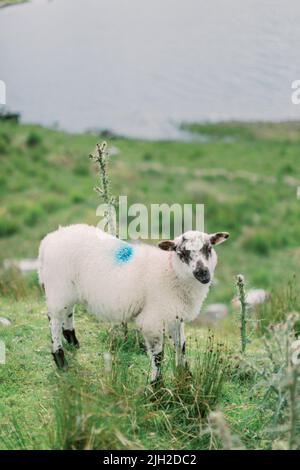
[[4, 321], [216, 311], [24, 265], [212, 314], [254, 297]]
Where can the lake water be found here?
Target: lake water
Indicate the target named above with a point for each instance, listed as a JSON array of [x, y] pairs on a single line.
[[138, 66]]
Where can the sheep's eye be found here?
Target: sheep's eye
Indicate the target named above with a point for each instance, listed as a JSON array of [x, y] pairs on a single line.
[[206, 250], [184, 255]]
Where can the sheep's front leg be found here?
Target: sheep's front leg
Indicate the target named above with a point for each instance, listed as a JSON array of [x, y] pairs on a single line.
[[55, 324], [178, 336], [154, 345]]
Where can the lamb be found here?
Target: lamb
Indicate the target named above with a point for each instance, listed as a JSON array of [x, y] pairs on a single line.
[[120, 282]]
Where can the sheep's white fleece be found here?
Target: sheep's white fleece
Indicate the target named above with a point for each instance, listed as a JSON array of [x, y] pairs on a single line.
[[78, 264]]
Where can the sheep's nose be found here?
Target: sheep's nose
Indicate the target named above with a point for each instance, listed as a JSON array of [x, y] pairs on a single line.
[[202, 275]]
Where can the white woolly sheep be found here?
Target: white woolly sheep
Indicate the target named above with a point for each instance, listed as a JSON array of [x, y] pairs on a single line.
[[120, 282]]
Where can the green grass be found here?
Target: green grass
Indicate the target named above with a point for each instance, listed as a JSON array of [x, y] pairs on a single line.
[[246, 175], [90, 407], [40, 406]]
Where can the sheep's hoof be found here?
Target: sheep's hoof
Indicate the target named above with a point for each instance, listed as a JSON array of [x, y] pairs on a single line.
[[59, 359], [157, 383], [188, 372], [70, 336]]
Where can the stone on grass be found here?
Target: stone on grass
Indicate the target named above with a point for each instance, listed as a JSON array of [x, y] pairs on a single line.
[[211, 314], [254, 297], [25, 265]]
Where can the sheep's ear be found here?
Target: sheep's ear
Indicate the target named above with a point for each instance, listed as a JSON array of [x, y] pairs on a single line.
[[167, 245], [219, 237]]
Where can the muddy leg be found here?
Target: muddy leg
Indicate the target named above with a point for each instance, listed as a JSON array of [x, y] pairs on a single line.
[[55, 324], [68, 327]]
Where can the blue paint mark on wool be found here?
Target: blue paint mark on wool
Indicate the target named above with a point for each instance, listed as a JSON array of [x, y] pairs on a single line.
[[123, 253]]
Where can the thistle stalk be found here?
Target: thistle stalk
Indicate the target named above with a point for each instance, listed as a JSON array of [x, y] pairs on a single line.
[[102, 158], [243, 315]]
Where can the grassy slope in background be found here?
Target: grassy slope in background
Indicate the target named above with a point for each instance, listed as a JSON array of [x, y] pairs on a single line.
[[246, 175]]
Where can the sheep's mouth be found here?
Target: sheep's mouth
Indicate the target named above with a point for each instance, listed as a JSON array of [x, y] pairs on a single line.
[[204, 279]]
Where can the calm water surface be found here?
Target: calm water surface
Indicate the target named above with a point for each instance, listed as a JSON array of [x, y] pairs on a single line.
[[139, 66]]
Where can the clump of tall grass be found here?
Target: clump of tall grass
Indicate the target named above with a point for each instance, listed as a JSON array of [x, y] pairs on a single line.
[[190, 393], [200, 388], [280, 303], [278, 374], [12, 283], [16, 285]]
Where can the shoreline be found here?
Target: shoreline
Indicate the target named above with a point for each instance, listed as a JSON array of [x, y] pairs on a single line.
[[8, 3], [202, 131]]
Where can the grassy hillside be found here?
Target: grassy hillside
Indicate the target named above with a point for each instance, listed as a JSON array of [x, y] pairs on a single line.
[[247, 176], [39, 405]]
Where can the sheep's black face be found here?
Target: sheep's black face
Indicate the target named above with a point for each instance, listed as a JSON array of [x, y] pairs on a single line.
[[195, 250]]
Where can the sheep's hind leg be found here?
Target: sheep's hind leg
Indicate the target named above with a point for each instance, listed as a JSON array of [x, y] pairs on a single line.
[[68, 327], [55, 324]]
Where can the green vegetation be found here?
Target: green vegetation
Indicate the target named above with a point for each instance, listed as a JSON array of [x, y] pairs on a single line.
[[248, 186], [5, 3], [247, 176]]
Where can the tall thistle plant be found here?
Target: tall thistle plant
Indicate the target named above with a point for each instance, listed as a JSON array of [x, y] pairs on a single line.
[[240, 282], [102, 158]]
